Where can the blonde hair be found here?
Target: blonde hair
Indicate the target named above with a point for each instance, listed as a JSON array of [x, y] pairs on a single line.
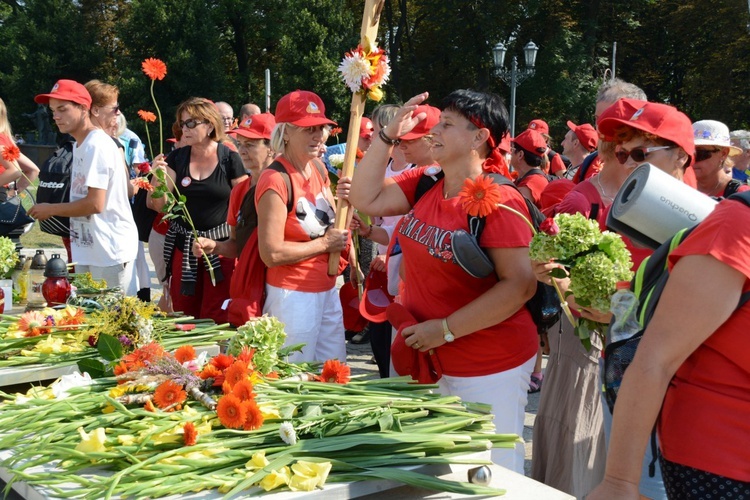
[[277, 137], [203, 109], [4, 122], [101, 93]]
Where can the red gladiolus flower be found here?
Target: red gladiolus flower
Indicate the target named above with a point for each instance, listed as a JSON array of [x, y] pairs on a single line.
[[189, 434], [549, 227], [146, 116], [11, 153], [480, 197], [335, 372], [154, 68]]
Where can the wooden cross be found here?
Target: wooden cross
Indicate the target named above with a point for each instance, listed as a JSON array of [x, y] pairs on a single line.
[[368, 34]]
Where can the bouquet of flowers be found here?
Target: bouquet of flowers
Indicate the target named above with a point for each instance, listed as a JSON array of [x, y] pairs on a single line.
[[594, 261], [8, 256], [365, 69]]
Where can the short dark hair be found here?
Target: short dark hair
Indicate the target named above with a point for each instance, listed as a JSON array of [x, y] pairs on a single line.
[[530, 158], [480, 108]]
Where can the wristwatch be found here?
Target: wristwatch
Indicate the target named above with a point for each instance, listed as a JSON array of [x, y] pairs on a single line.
[[447, 333]]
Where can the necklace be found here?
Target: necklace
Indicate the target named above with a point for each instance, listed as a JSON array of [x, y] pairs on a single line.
[[601, 188]]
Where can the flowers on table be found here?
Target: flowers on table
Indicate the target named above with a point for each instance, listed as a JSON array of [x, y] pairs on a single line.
[[365, 70]]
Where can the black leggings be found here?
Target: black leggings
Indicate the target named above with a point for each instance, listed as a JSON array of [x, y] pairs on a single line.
[[687, 483], [380, 341]]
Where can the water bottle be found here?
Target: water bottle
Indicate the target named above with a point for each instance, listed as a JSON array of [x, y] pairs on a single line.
[[625, 310]]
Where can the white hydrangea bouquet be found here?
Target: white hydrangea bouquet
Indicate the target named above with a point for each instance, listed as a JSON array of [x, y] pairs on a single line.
[[594, 260]]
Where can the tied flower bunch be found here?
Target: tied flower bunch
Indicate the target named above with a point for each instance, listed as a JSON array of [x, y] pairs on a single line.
[[594, 260], [365, 69]]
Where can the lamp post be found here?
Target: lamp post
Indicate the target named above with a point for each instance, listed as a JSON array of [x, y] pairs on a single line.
[[515, 76]]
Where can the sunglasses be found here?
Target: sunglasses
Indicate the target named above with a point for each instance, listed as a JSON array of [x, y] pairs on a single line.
[[115, 108], [191, 123], [638, 154], [705, 154]]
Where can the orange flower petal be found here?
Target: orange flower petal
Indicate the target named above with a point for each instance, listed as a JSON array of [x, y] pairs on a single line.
[[480, 197], [146, 116], [11, 153], [254, 418], [154, 68], [232, 414], [186, 352], [189, 434], [169, 394], [334, 371]]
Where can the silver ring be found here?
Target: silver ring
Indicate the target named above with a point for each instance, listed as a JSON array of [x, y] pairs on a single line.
[[416, 345]]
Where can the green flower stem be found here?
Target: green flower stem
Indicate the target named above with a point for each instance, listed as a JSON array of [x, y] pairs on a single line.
[[158, 112], [563, 302], [148, 135]]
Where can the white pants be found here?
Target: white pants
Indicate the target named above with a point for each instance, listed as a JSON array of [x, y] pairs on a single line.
[[507, 392], [314, 319], [142, 273], [122, 275]]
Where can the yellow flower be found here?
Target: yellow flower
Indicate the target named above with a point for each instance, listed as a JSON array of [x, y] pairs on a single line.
[[193, 455], [308, 475], [257, 461], [269, 411], [126, 439], [37, 392], [92, 443], [275, 479], [375, 93], [108, 409]]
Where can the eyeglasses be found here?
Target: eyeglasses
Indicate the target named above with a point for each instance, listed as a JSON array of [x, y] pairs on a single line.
[[115, 109], [638, 154], [191, 123], [704, 154]]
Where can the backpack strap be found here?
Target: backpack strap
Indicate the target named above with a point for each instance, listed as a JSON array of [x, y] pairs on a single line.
[[276, 166], [743, 197], [476, 224], [586, 165], [731, 188], [533, 171], [425, 183]]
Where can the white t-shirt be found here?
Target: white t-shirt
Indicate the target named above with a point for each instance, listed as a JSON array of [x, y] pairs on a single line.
[[111, 237], [389, 222]]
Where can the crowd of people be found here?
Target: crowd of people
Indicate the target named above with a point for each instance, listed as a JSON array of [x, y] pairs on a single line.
[[271, 174]]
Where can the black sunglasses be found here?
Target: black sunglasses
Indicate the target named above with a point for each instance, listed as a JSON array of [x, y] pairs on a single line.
[[705, 154], [638, 154], [191, 123]]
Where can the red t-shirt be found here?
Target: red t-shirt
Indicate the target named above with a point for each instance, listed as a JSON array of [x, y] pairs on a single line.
[[705, 420], [313, 212], [236, 197], [536, 184], [556, 164], [436, 286], [580, 201], [594, 168]]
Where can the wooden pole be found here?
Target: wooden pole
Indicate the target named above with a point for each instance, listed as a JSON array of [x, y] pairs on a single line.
[[368, 34]]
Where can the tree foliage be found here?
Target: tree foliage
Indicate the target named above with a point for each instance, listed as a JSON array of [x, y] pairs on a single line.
[[679, 51]]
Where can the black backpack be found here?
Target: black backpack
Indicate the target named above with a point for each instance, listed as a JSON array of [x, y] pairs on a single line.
[[54, 187], [247, 219], [544, 306], [535, 171]]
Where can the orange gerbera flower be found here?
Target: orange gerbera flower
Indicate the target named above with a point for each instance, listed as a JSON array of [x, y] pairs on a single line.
[[334, 371], [154, 68], [246, 355], [142, 183], [149, 352], [254, 418], [243, 390], [169, 394], [236, 373], [185, 353], [222, 361], [209, 371], [189, 434], [11, 153], [146, 116], [31, 322], [149, 406], [232, 414], [71, 316], [120, 368], [480, 197]]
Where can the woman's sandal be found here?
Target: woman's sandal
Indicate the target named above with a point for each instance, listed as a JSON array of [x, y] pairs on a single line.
[[536, 382]]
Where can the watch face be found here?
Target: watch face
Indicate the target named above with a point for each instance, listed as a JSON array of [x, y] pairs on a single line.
[[449, 337]]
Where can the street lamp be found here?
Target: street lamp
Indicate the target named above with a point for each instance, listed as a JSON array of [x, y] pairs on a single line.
[[515, 76]]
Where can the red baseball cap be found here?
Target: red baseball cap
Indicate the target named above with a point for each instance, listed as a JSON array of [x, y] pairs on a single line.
[[257, 126], [423, 128], [349, 297], [66, 90], [504, 145], [532, 141], [421, 366], [303, 109], [539, 125], [586, 134], [376, 298], [172, 140], [661, 120], [365, 128], [553, 193]]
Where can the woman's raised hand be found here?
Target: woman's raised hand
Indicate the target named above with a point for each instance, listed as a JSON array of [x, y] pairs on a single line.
[[405, 120]]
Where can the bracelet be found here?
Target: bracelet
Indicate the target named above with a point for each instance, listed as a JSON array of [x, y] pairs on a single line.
[[388, 140]]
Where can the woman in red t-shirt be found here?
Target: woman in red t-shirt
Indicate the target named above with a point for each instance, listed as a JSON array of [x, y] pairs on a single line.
[[479, 329]]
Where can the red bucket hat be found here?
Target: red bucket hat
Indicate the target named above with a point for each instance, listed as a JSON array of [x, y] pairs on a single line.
[[539, 125], [257, 126], [376, 298], [66, 90], [586, 134], [349, 297], [365, 128], [661, 120], [423, 128], [303, 109], [532, 141], [424, 367]]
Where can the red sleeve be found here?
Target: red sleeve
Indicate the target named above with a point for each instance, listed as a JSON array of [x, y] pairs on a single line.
[[271, 180], [236, 198], [408, 181], [724, 235], [556, 165]]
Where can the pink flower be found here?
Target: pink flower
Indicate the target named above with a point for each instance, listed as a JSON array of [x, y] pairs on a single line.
[[549, 227]]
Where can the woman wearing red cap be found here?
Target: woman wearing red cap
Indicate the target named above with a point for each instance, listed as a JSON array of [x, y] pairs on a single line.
[[205, 171], [478, 328], [295, 245]]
